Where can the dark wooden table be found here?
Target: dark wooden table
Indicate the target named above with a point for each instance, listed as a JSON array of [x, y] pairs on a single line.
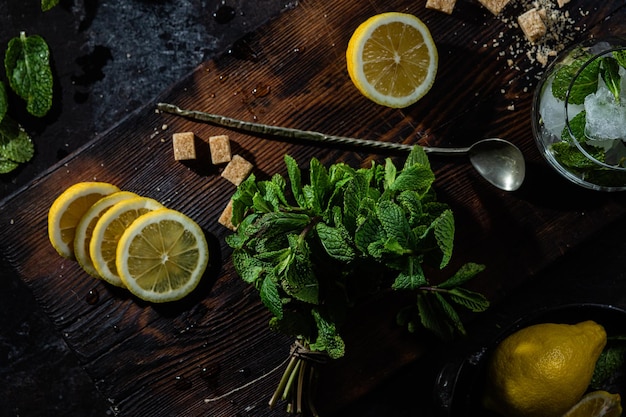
[[168, 360]]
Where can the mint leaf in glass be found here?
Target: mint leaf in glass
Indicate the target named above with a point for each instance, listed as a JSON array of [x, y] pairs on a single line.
[[585, 84], [27, 65], [620, 56], [610, 75]]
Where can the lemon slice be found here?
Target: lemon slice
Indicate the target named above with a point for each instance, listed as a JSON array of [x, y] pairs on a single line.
[[392, 59], [67, 210], [108, 230], [597, 404], [161, 257], [84, 229]]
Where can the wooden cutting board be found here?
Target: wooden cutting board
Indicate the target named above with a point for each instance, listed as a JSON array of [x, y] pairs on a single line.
[[169, 360]]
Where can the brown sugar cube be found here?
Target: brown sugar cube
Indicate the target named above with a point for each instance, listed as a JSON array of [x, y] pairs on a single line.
[[494, 6], [532, 25], [562, 3], [446, 6], [184, 146], [220, 149], [237, 170], [226, 218]]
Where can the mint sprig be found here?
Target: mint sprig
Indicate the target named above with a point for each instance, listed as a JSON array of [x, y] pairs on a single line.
[[313, 249]]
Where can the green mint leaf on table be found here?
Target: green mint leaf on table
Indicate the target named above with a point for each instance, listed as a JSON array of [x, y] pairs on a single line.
[[4, 101], [610, 74], [16, 146], [27, 65], [48, 4]]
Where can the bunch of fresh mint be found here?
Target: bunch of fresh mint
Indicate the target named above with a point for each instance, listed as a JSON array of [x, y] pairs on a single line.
[[313, 250], [583, 82], [27, 67]]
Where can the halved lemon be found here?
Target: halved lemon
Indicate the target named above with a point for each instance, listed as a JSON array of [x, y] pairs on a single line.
[[392, 59], [162, 256], [67, 210], [84, 229], [597, 404], [108, 230]]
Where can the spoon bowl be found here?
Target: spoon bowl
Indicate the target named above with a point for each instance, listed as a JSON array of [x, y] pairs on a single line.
[[497, 160]]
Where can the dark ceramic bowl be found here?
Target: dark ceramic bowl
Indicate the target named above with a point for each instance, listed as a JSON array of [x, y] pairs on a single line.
[[459, 387]]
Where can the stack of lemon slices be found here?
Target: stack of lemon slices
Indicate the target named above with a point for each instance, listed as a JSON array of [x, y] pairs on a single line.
[[129, 241]]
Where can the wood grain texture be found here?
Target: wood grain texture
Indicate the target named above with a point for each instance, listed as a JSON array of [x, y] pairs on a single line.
[[167, 360]]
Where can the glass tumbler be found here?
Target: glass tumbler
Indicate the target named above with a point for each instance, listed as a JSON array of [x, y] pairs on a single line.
[[579, 114]]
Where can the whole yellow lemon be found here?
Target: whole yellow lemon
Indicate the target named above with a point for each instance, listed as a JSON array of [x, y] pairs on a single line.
[[544, 369]]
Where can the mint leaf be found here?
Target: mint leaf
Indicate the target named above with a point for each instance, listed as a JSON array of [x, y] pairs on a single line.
[[27, 65], [394, 222], [469, 299], [610, 362], [570, 156], [390, 173], [444, 233], [433, 315], [576, 128], [15, 145], [7, 165], [464, 274], [295, 178], [270, 297], [48, 4], [586, 82], [4, 101], [249, 268], [414, 178], [319, 186], [336, 242], [620, 56], [328, 338], [417, 156], [354, 194], [610, 74], [412, 277]]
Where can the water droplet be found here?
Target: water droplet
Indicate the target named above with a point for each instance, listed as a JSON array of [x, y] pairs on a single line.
[[241, 49], [224, 14], [182, 383], [261, 90], [245, 372], [211, 374], [93, 296]]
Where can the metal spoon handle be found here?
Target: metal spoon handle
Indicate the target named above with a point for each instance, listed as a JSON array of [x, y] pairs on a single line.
[[290, 133]]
